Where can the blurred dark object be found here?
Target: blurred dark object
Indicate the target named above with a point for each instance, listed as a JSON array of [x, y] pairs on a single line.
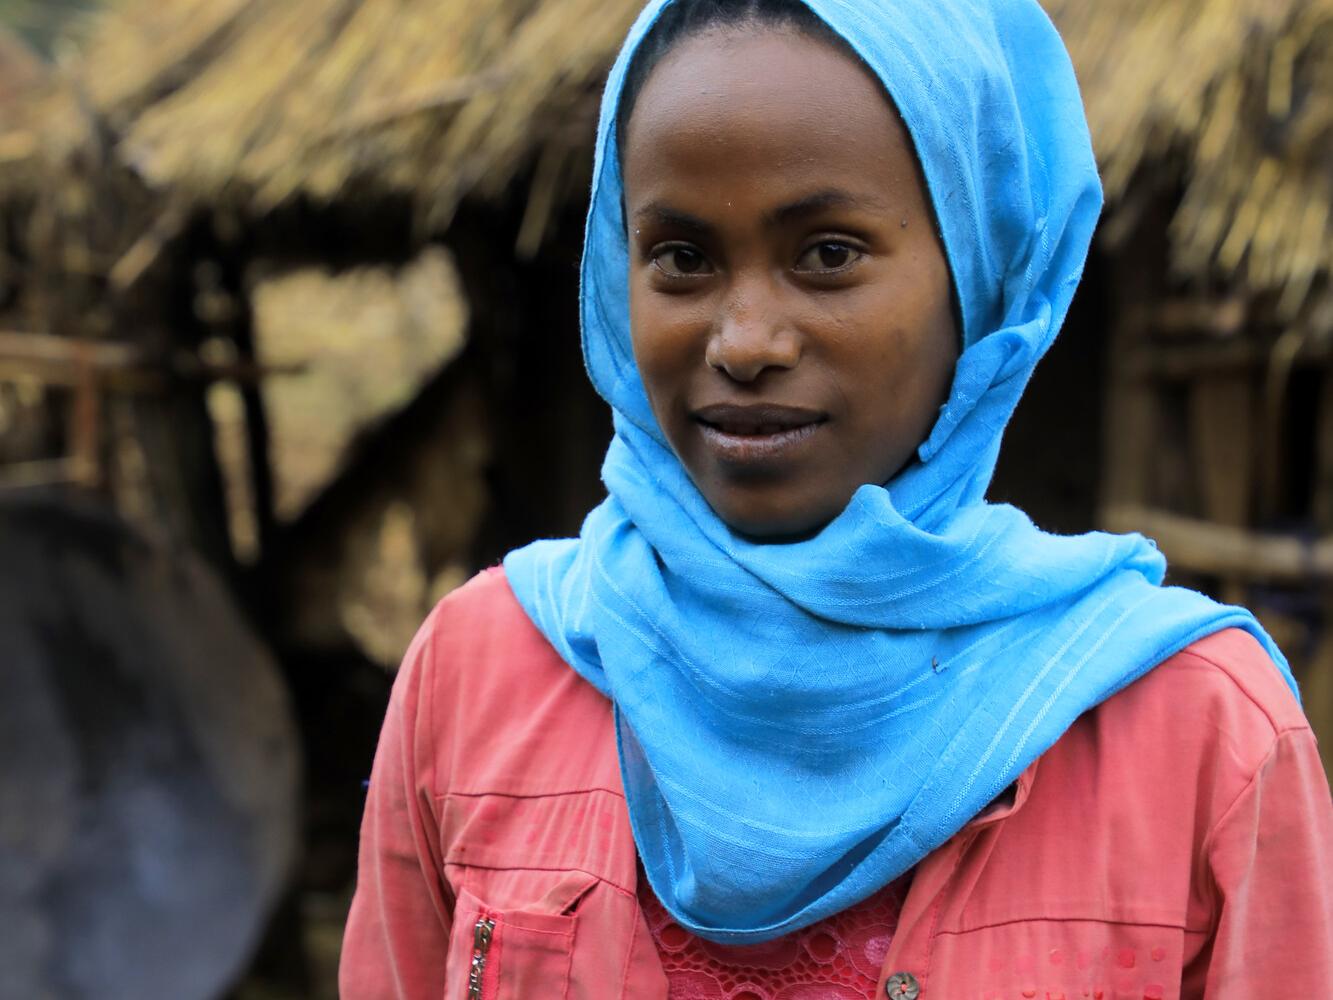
[[148, 804]]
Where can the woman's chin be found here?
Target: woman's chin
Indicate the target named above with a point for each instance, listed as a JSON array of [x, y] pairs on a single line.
[[775, 525]]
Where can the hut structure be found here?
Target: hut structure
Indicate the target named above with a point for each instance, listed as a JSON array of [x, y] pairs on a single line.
[[200, 159], [1213, 123]]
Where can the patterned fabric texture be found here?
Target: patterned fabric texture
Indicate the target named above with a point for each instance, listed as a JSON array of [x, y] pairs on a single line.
[[801, 723], [839, 958]]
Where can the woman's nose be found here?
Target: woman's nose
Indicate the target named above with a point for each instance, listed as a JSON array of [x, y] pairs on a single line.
[[750, 337]]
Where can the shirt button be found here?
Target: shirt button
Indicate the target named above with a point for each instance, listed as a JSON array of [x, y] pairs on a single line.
[[902, 986]]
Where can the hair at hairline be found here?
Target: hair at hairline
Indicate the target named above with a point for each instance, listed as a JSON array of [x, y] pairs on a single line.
[[685, 19]]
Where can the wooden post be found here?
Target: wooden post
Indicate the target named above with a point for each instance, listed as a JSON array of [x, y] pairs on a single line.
[[1129, 430], [1318, 679], [1222, 441], [241, 329]]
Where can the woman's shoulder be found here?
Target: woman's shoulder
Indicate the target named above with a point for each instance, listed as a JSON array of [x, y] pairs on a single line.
[[1140, 786], [483, 603], [479, 638], [497, 703], [1194, 731], [1222, 689]]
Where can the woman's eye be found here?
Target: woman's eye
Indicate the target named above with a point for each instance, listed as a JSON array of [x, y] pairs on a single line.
[[680, 261], [828, 256]]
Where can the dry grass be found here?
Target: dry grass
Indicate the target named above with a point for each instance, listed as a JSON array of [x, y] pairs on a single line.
[[1242, 92], [266, 98], [258, 100]]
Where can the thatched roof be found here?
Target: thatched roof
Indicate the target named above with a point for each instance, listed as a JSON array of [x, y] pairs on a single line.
[[1242, 92], [268, 98], [262, 99]]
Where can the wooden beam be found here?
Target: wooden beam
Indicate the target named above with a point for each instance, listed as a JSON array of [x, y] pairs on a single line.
[[46, 347], [147, 249], [1219, 550], [1220, 318], [1180, 362], [66, 361], [41, 473]]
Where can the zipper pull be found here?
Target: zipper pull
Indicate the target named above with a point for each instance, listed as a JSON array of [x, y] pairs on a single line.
[[481, 945]]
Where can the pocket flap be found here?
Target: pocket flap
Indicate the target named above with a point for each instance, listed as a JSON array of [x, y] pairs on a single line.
[[523, 953]]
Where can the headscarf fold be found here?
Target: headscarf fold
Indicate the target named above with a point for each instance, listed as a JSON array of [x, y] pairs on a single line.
[[800, 723]]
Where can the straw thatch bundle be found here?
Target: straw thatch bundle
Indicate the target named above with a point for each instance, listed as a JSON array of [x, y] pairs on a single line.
[[260, 100], [1241, 91], [270, 99]]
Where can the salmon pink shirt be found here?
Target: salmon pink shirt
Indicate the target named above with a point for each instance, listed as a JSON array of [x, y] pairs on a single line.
[[1176, 842]]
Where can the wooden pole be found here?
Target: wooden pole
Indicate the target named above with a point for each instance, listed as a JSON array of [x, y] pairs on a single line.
[[1227, 551]]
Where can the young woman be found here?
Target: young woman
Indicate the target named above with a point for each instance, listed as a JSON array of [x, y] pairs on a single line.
[[799, 714]]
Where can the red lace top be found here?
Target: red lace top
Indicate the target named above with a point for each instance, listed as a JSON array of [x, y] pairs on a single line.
[[839, 958]]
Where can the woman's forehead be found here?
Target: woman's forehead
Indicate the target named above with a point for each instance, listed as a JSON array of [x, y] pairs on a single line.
[[765, 67], [764, 103]]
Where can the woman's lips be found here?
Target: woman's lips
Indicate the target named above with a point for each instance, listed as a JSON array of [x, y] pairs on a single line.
[[756, 433]]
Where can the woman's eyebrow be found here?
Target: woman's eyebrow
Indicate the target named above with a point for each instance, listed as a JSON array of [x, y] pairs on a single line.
[[820, 201], [660, 214]]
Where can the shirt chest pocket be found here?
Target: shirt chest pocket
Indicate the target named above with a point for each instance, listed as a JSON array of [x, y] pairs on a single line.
[[504, 953], [537, 908]]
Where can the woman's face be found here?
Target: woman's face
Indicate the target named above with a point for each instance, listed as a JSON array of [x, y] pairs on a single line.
[[790, 302]]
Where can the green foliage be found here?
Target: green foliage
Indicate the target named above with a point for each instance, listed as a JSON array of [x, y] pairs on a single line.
[[41, 23]]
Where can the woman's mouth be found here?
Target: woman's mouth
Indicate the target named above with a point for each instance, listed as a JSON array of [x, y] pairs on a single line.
[[756, 434]]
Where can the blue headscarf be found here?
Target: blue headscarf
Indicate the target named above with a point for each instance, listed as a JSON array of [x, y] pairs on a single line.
[[800, 723]]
